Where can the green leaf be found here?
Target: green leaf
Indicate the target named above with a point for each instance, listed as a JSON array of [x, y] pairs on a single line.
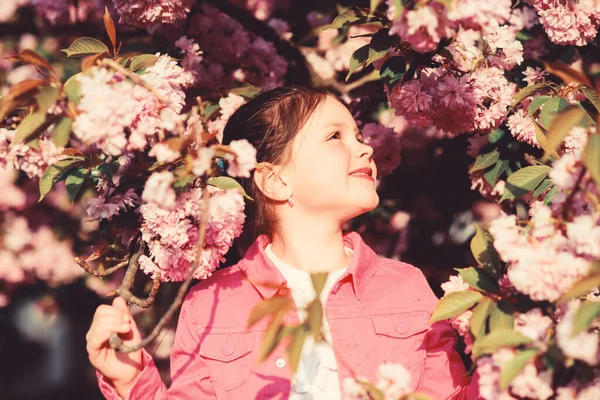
[[514, 366], [541, 135], [54, 172], [75, 180], [62, 131], [495, 135], [349, 17], [315, 318], [479, 279], [182, 184], [501, 316], [492, 175], [29, 127], [318, 281], [550, 195], [591, 157], [294, 351], [359, 57], [536, 103], [142, 61], [85, 46], [498, 338], [227, 183], [526, 92], [248, 91], [546, 183], [552, 107], [524, 181], [392, 70], [273, 335], [484, 252], [46, 97], [586, 313], [375, 4], [454, 303], [584, 285], [269, 307], [379, 45], [480, 314], [591, 95], [72, 88], [485, 160]]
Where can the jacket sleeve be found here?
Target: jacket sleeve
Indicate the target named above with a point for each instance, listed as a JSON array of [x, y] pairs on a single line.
[[444, 376], [190, 377]]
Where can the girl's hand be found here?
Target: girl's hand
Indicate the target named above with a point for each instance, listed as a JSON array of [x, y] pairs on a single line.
[[120, 368]]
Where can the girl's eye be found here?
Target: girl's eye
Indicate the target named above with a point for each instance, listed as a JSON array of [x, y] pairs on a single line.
[[336, 135], [360, 138]]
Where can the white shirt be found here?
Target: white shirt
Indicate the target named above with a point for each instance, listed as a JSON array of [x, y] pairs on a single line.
[[317, 376]]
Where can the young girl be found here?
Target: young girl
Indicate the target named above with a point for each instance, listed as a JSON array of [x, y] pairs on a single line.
[[315, 174]]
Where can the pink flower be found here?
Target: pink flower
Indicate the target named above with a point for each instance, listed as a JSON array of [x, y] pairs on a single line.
[[582, 346], [12, 196], [422, 27], [394, 380], [163, 153], [480, 14], [244, 160], [158, 189], [462, 323], [411, 101], [204, 161], [523, 18], [142, 13], [584, 236], [570, 22], [455, 284], [534, 325], [532, 384], [172, 234], [534, 75], [386, 146], [521, 126]]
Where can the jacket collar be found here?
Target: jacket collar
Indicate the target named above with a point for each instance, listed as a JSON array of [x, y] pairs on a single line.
[[266, 278]]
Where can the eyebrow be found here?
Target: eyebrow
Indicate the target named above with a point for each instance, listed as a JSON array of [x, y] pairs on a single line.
[[341, 125]]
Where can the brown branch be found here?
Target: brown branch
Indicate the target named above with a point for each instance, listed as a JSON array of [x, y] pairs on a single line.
[[83, 264], [116, 342]]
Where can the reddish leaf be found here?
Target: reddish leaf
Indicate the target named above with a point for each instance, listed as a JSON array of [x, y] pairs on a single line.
[[90, 61], [33, 58], [567, 74], [110, 30], [17, 94]]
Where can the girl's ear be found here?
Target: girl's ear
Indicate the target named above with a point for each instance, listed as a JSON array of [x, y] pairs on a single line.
[[271, 183]]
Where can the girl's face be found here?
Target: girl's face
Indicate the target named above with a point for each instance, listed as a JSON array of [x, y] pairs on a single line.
[[331, 171]]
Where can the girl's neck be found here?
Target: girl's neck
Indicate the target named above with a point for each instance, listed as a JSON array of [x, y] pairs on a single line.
[[311, 249]]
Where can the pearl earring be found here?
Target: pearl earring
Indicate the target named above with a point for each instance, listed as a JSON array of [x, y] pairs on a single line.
[[291, 201]]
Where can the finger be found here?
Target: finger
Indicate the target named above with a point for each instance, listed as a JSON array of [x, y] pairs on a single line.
[[111, 311], [120, 304], [98, 337]]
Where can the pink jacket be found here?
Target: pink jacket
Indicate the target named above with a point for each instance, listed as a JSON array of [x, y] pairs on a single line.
[[378, 311]]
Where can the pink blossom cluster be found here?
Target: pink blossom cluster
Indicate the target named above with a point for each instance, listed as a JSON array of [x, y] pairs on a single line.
[[423, 27], [543, 261], [460, 322], [57, 11], [232, 54], [27, 254], [170, 228], [12, 196], [386, 147], [28, 159], [564, 174], [263, 9], [480, 14], [227, 106], [111, 105], [143, 13], [569, 22], [454, 104], [392, 380], [529, 383]]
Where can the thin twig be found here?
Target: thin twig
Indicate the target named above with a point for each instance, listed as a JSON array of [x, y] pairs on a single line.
[[134, 77], [116, 342], [83, 264]]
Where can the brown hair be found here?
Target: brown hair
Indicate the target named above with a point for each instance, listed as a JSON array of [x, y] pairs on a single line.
[[270, 121]]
